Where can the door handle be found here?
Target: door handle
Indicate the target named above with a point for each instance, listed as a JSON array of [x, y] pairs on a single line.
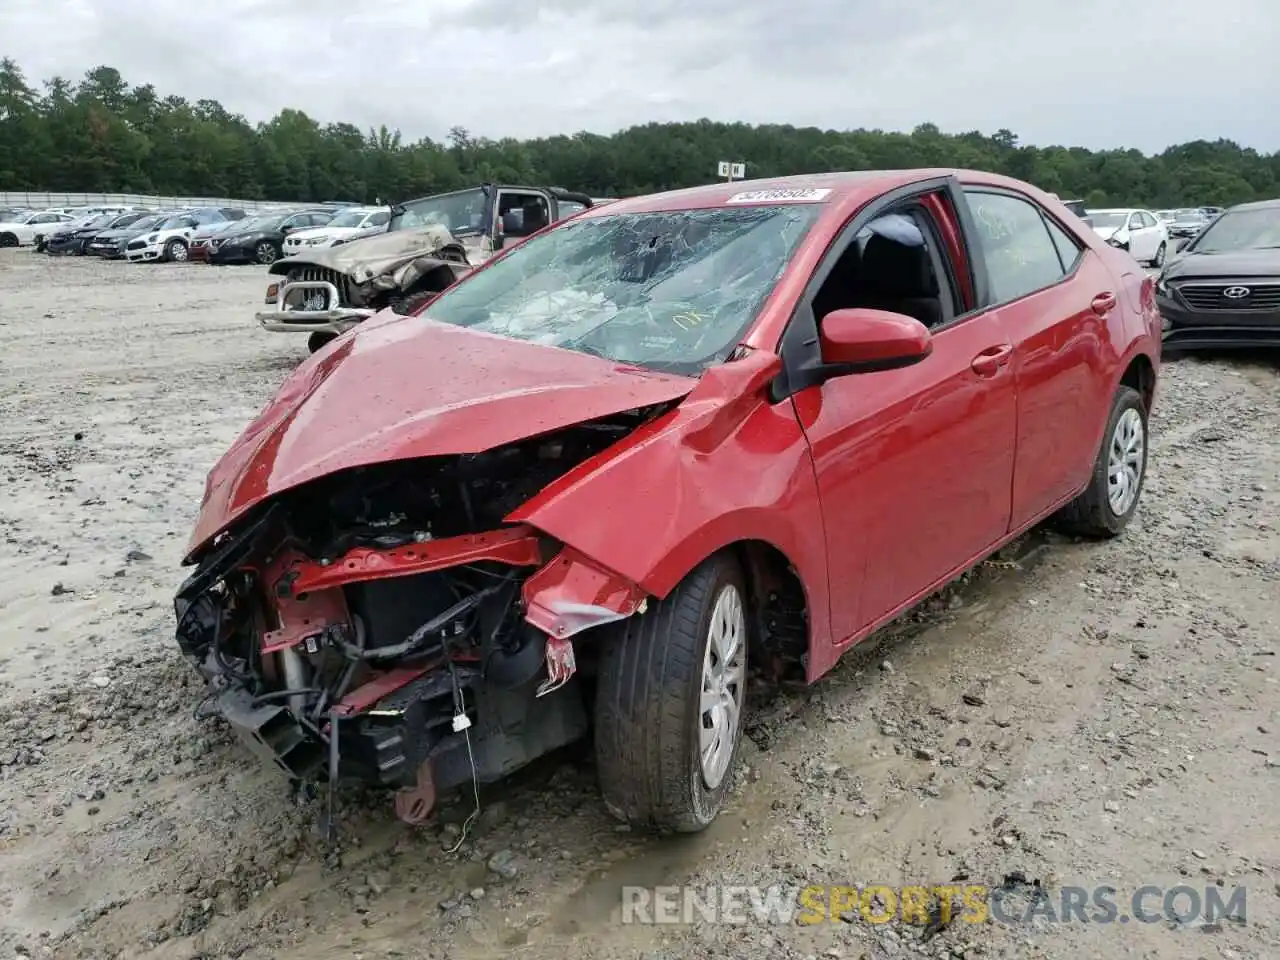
[[990, 360], [1103, 303]]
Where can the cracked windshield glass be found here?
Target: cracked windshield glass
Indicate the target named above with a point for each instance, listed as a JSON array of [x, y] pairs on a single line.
[[672, 291]]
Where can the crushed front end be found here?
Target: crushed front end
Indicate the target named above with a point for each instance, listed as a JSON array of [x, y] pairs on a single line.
[[377, 624]]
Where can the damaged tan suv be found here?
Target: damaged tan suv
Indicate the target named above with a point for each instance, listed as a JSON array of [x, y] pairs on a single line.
[[428, 245]]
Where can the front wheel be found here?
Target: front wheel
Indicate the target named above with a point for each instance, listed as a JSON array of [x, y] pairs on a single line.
[[319, 339], [175, 251], [669, 703], [1111, 499], [266, 253], [8, 239], [1161, 250]]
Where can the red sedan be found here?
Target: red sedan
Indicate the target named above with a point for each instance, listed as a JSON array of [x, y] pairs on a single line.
[[667, 440]]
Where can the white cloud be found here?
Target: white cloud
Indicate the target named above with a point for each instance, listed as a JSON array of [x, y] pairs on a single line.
[[1095, 73]]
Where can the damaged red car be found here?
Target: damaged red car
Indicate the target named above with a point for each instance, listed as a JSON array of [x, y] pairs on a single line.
[[670, 440]]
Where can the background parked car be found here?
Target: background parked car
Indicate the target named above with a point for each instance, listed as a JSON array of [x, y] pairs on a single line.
[[1187, 223], [1138, 231], [206, 239], [26, 228], [362, 221], [1078, 208], [1223, 289], [169, 240], [74, 238], [261, 239], [110, 243]]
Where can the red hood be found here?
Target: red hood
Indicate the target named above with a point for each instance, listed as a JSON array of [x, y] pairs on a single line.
[[408, 387]]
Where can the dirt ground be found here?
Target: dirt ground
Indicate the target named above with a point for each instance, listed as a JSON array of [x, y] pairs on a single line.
[[1072, 714]]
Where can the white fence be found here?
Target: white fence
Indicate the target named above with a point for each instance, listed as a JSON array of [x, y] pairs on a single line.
[[41, 201]]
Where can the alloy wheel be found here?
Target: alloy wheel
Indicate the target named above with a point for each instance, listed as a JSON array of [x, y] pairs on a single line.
[[723, 685], [1125, 461]]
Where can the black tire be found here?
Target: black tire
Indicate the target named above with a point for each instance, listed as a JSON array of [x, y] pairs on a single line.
[[1161, 251], [8, 239], [266, 253], [412, 302], [1091, 513], [175, 251], [647, 707], [319, 340]]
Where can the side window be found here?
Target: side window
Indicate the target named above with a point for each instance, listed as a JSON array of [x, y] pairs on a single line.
[[1068, 247], [379, 220], [1149, 221], [522, 214], [1135, 221], [47, 218], [893, 263], [1020, 254]]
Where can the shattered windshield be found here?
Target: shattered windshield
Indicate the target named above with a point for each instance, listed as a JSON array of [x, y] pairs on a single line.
[[673, 291], [459, 213]]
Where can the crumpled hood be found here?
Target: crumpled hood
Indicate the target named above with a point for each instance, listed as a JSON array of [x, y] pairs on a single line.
[[407, 387], [1244, 263], [374, 256]]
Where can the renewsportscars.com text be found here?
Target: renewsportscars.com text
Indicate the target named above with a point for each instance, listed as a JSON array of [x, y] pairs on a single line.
[[940, 903]]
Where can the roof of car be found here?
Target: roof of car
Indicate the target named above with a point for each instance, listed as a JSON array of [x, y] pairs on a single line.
[[1257, 205], [821, 188]]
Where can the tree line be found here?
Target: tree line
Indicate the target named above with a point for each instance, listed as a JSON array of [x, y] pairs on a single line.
[[103, 135]]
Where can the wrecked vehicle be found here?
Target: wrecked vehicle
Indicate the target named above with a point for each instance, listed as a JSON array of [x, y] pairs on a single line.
[[596, 478], [328, 290]]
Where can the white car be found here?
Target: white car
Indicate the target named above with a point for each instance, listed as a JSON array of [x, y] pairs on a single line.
[[23, 229], [170, 240], [357, 221], [1138, 231]]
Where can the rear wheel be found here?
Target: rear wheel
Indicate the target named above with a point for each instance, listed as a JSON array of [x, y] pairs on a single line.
[[669, 703], [176, 251], [8, 239], [1160, 255], [1111, 499], [319, 339]]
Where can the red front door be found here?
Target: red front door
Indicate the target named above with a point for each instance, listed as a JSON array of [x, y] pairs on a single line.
[[914, 470]]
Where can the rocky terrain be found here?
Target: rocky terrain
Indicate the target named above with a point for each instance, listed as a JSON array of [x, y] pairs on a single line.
[[1068, 715]]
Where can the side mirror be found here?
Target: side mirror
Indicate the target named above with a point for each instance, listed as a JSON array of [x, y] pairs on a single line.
[[864, 341]]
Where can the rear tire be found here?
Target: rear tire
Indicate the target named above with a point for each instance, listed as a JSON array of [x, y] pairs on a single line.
[[8, 239], [1111, 499], [266, 253], [662, 708], [318, 340], [1160, 255]]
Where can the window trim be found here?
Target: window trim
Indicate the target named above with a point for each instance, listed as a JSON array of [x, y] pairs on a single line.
[[970, 238]]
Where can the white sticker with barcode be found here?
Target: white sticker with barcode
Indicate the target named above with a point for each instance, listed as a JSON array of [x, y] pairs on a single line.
[[794, 195]]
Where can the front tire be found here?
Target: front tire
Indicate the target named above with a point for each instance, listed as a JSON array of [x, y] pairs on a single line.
[[669, 703], [319, 340], [1111, 499], [175, 251], [266, 253], [8, 239]]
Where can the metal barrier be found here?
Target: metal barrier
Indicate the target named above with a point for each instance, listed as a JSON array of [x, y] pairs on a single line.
[[35, 200]]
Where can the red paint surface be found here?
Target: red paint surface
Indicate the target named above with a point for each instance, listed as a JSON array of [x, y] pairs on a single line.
[[876, 487]]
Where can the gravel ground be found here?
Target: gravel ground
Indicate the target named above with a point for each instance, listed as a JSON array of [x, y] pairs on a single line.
[[1070, 714]]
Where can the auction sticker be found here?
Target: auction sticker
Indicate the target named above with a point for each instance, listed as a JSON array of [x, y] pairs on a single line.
[[766, 196]]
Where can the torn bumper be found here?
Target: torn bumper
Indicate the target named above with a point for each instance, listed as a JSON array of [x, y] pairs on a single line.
[[330, 317]]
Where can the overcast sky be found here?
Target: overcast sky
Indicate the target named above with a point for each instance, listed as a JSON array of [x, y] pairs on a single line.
[[1094, 73]]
